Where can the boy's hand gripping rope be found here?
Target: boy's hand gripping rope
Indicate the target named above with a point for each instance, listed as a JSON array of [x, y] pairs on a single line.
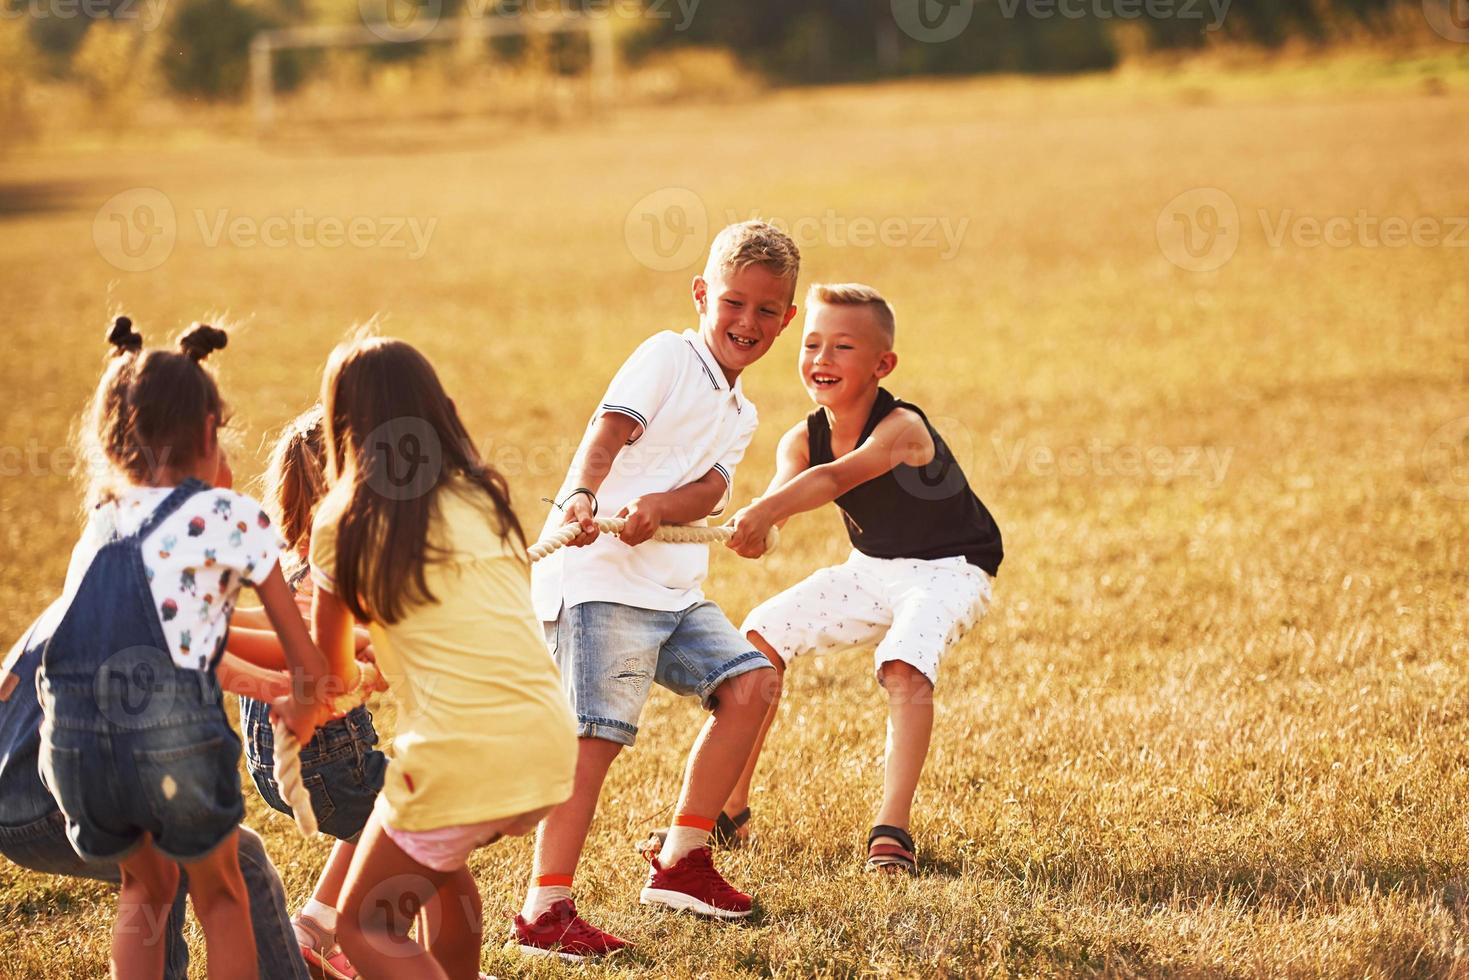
[[288, 750], [673, 533]]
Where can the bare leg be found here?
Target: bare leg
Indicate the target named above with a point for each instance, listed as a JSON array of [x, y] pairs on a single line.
[[563, 833], [384, 893], [453, 930], [149, 880], [726, 741], [217, 889], [329, 885], [739, 797], [910, 727]]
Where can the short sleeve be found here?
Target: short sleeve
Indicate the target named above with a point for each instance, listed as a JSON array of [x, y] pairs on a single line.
[[251, 535], [736, 452], [323, 555], [645, 379]]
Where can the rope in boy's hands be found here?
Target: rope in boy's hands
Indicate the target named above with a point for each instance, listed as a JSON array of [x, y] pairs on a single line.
[[672, 533]]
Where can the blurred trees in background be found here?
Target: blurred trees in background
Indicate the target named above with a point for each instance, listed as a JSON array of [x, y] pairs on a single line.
[[199, 48]]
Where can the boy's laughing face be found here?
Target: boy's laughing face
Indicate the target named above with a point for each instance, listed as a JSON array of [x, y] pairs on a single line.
[[741, 313], [844, 353]]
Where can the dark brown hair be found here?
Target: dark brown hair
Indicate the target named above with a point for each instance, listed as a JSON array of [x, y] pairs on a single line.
[[150, 413], [295, 480], [393, 439]]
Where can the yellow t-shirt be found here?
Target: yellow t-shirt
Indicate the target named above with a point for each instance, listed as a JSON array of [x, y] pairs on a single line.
[[484, 729]]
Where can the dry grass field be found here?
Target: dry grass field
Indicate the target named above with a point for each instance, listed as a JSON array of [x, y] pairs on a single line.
[[1216, 723]]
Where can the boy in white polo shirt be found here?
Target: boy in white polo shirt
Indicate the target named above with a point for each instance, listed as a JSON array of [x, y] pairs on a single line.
[[624, 612]]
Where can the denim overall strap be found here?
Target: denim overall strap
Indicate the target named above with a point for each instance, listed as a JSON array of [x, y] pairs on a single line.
[[117, 573], [171, 503]]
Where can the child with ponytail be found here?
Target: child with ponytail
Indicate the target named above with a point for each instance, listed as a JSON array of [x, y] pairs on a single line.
[[136, 747], [416, 538]]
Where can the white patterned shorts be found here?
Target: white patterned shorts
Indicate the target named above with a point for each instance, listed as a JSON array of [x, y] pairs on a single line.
[[911, 609]]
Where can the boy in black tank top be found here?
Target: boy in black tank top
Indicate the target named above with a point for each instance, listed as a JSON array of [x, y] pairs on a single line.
[[924, 547]]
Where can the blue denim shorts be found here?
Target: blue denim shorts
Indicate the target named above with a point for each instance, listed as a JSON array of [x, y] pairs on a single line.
[[340, 767], [610, 655], [172, 773]]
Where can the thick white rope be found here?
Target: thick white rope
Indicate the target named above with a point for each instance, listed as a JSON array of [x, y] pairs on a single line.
[[672, 533]]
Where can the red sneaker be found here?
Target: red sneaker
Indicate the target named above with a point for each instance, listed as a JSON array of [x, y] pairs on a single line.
[[693, 885], [561, 932]]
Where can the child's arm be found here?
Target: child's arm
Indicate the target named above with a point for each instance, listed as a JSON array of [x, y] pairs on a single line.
[[593, 462], [260, 647], [690, 502], [247, 680], [253, 618], [307, 702], [899, 439]]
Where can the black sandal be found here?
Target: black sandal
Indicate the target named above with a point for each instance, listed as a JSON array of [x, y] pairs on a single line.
[[726, 833], [891, 858], [727, 828]]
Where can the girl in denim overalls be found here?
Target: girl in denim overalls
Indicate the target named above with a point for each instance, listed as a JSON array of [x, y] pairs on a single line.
[[135, 744]]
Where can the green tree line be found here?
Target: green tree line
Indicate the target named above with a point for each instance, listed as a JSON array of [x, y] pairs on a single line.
[[803, 42]]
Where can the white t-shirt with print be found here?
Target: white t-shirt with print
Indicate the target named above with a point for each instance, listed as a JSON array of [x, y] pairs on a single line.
[[690, 420], [196, 561]]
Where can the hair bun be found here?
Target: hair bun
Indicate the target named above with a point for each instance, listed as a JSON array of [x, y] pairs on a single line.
[[123, 337], [201, 340]]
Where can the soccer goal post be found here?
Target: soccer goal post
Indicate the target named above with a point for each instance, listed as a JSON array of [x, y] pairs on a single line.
[[265, 44]]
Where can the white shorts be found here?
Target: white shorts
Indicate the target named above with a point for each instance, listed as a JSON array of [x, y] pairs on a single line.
[[911, 609]]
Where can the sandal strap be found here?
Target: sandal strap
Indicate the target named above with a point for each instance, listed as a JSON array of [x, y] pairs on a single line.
[[891, 851], [896, 833]]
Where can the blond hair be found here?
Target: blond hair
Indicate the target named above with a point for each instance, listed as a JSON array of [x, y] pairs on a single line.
[[739, 246], [856, 294]]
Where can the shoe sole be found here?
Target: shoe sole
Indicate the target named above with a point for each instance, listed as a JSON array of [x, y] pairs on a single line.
[[562, 954], [680, 902]]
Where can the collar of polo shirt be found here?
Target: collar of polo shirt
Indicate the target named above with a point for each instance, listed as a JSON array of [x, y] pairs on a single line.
[[714, 371]]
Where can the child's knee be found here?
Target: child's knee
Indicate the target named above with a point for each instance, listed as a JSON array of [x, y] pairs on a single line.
[[902, 679], [751, 692], [760, 643]]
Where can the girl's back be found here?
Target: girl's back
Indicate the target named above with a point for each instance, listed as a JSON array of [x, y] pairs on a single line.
[[469, 672]]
